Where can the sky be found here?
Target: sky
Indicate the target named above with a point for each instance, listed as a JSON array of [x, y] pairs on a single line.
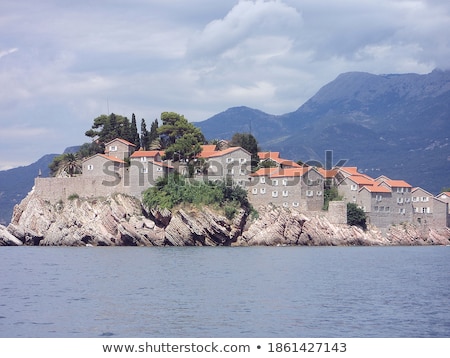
[[64, 63]]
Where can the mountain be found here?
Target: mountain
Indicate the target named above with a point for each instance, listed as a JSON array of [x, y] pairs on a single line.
[[16, 183], [397, 125]]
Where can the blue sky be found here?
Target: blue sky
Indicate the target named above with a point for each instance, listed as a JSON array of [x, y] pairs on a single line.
[[63, 62]]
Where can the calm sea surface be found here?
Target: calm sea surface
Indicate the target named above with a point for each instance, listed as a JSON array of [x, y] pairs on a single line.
[[225, 292]]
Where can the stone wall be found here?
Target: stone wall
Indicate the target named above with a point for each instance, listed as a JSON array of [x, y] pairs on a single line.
[[56, 189]]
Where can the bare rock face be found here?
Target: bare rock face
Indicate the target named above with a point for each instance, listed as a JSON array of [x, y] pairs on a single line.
[[116, 220], [203, 228], [280, 226], [8, 239], [120, 220], [407, 234]]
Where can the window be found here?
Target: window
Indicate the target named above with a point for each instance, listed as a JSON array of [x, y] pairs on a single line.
[[144, 170], [230, 160], [354, 187], [255, 191], [295, 204], [274, 194], [242, 172], [319, 193], [159, 169], [230, 171], [375, 208], [378, 197], [143, 159], [309, 193], [262, 190], [285, 182], [401, 211], [425, 199], [285, 193], [90, 167], [285, 204], [275, 182], [387, 209], [399, 200], [262, 180], [414, 199], [242, 160], [113, 148]]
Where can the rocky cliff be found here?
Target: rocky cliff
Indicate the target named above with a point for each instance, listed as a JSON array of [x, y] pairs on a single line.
[[120, 220]]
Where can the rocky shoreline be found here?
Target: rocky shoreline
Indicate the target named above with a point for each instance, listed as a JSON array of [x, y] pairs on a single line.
[[120, 220]]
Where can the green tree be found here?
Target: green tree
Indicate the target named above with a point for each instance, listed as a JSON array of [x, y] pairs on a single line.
[[145, 140], [67, 164], [180, 139], [330, 194], [134, 134], [356, 216], [153, 135], [248, 142], [106, 128]]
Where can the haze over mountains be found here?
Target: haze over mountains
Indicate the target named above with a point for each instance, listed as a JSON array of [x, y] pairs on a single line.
[[397, 125]]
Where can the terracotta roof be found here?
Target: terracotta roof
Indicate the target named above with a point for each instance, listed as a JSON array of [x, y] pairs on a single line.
[[145, 153], [291, 172], [209, 147], [397, 183], [328, 173], [290, 163], [269, 155], [122, 141], [350, 170], [264, 172], [282, 173], [362, 180], [107, 157], [217, 153], [447, 193], [376, 189]]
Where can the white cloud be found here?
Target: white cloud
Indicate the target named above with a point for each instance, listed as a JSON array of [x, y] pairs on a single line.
[[197, 58]]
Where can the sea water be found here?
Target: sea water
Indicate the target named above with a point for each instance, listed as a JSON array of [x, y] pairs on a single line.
[[225, 292]]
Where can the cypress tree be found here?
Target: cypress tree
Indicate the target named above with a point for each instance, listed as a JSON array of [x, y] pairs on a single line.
[[134, 135], [145, 142]]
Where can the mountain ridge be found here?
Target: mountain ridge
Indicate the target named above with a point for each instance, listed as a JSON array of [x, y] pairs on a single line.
[[392, 124]]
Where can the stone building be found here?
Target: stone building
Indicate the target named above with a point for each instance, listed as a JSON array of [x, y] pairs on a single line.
[[301, 188], [231, 163]]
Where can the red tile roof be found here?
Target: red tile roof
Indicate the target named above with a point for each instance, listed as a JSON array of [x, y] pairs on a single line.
[[145, 153], [207, 153], [114, 159], [376, 189], [396, 183], [362, 180], [282, 172], [269, 155], [328, 173], [264, 172]]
